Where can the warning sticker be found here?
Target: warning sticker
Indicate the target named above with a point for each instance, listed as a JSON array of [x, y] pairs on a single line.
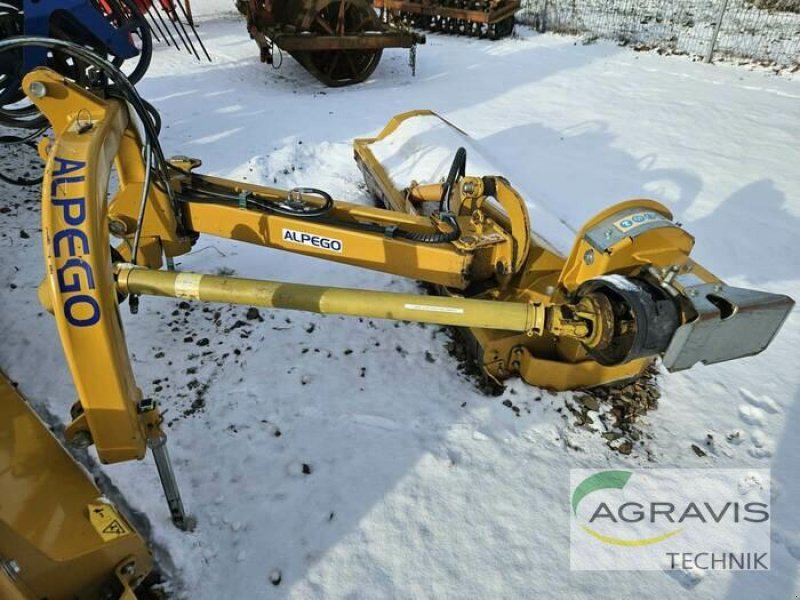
[[107, 521], [187, 285]]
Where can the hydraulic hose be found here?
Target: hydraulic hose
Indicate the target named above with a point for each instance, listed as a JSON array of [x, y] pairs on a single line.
[[435, 238], [457, 169]]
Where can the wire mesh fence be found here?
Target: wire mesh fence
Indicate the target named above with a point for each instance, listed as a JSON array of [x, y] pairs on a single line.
[[766, 31]]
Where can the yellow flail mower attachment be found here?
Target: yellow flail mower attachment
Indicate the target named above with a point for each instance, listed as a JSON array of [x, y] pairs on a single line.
[[561, 309], [621, 290], [560, 314]]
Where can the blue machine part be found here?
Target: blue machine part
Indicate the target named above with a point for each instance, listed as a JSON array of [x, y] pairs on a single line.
[[37, 22]]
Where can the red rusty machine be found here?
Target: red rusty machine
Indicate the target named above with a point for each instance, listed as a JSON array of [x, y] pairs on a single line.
[[339, 42]]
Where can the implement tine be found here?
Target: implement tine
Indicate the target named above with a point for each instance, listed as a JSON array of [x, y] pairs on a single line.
[[146, 14], [172, 17], [160, 18], [150, 27], [190, 22], [177, 20]]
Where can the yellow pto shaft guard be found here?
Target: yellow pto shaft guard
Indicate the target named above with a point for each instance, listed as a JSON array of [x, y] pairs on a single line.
[[487, 314]]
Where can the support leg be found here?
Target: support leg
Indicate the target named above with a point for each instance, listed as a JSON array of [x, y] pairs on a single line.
[[171, 491]]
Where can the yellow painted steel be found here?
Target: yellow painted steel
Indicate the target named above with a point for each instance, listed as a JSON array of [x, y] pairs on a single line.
[[377, 178], [12, 590], [663, 247], [443, 264], [487, 314], [488, 247], [562, 375], [80, 280], [549, 360], [496, 254], [72, 110], [46, 533]]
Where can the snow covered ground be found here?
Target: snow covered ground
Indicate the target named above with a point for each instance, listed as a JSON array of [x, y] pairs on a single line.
[[351, 455]]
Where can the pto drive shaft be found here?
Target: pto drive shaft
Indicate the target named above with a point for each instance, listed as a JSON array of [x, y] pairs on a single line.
[[461, 312]]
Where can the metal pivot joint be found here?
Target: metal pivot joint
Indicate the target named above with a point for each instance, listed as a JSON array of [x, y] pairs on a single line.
[[172, 493]]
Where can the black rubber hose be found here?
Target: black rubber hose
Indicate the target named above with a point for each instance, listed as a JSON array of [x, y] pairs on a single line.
[[124, 14], [199, 195], [122, 86], [273, 206], [154, 114], [118, 78], [136, 19], [151, 110], [313, 212], [434, 238], [457, 169]]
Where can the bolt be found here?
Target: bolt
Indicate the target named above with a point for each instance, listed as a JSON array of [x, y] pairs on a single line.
[[588, 257], [469, 188], [609, 233], [37, 89], [11, 567], [117, 227], [718, 288], [691, 293], [128, 569], [81, 440]]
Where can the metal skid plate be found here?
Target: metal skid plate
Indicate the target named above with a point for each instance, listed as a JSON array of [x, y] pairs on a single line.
[[731, 323]]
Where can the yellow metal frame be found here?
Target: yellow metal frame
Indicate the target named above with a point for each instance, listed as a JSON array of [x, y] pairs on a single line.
[[441, 264], [551, 361], [495, 261], [495, 247], [49, 545], [81, 283]]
